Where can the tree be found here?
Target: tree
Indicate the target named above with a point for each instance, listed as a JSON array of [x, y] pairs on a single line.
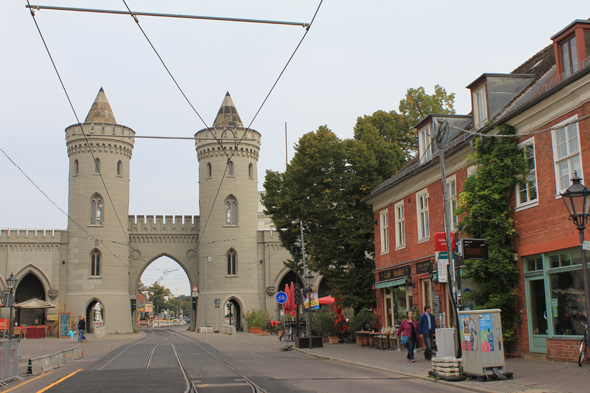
[[397, 127], [323, 187], [159, 296]]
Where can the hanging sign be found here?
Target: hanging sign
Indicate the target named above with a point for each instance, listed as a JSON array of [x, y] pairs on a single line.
[[474, 248]]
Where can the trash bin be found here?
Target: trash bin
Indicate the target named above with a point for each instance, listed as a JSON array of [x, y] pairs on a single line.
[[481, 341]]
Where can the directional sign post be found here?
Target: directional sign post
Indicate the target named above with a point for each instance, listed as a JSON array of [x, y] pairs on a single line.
[[281, 297]]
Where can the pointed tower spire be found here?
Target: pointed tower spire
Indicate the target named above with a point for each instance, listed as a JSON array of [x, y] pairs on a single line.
[[228, 114], [101, 111]]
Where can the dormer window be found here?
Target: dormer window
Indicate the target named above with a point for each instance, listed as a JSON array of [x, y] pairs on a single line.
[[425, 145], [569, 56], [480, 107]]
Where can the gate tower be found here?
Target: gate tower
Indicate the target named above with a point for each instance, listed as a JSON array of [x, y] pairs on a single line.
[[98, 208], [228, 192]]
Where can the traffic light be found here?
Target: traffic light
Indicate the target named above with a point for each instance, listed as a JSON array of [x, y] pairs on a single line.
[[194, 303], [133, 305], [297, 295]]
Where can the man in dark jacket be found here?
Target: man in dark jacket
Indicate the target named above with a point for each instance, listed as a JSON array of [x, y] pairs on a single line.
[[426, 327], [81, 328]]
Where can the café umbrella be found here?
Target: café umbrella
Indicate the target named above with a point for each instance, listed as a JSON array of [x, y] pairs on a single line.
[[34, 303]]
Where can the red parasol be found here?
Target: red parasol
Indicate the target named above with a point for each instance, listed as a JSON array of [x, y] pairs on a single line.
[[292, 306]]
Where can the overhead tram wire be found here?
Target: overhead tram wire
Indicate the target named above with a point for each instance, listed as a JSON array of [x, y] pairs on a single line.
[[90, 237], [77, 119], [256, 115]]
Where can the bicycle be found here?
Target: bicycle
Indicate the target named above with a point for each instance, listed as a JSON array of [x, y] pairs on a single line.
[[583, 345]]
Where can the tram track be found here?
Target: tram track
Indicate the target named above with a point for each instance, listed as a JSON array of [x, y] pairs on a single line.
[[195, 387]]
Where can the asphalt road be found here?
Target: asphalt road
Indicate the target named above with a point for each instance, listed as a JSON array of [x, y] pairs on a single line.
[[151, 365]]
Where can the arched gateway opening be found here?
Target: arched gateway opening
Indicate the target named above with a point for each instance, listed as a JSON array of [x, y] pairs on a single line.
[[163, 292], [95, 315], [30, 287]]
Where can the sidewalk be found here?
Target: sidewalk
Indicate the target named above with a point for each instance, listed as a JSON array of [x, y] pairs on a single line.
[[32, 348]]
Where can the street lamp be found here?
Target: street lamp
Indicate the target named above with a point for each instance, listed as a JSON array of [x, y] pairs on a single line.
[[577, 201], [308, 282], [11, 283]]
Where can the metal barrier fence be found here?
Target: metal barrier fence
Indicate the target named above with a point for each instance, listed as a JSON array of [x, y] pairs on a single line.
[[54, 360], [8, 360]]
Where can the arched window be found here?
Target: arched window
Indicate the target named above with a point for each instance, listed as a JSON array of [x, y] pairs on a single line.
[[250, 171], [96, 165], [96, 210], [119, 168], [230, 168], [231, 211], [95, 262], [232, 262], [76, 167], [209, 170]]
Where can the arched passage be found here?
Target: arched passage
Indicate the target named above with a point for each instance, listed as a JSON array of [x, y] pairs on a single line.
[[30, 287], [95, 315], [164, 290], [233, 313]]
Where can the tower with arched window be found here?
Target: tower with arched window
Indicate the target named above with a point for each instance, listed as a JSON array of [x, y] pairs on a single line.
[[228, 190], [100, 153]]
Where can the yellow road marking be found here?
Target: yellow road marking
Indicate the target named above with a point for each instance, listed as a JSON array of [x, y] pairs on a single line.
[[59, 381], [24, 383]]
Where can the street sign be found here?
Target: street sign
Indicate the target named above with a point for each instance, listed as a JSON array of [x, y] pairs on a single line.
[[586, 245], [217, 303], [281, 297], [474, 249], [442, 261], [195, 291]]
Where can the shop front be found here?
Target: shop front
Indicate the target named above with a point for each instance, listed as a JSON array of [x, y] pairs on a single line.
[[410, 287], [555, 301]]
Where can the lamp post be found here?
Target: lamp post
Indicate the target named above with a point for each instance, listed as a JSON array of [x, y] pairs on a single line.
[[11, 283], [308, 282], [577, 201]]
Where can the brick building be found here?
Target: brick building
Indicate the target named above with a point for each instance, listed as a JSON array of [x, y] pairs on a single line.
[[547, 100]]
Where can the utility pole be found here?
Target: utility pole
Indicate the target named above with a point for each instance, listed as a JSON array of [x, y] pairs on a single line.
[[441, 128], [307, 287]]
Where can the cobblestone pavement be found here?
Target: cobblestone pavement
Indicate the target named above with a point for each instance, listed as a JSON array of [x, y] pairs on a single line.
[[529, 376]]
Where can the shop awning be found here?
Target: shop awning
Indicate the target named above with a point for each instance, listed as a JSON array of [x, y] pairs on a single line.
[[392, 283]]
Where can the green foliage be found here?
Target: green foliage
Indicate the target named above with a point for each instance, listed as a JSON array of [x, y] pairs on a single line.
[[158, 295], [363, 320], [257, 318], [323, 323], [396, 127], [485, 201]]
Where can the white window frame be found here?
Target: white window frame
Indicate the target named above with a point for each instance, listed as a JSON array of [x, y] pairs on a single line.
[[422, 216], [425, 144], [471, 170], [400, 225], [480, 106], [384, 230], [452, 195], [570, 154], [520, 205]]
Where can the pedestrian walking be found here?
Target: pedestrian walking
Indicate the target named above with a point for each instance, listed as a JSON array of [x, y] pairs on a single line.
[[408, 329], [426, 329], [81, 328]]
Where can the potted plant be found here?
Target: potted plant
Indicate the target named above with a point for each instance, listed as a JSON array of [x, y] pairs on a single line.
[[265, 318], [249, 318], [322, 321]]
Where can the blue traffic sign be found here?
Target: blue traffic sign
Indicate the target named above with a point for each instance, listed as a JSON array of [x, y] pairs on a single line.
[[281, 297]]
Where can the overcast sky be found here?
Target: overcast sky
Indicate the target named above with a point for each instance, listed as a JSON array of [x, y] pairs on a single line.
[[358, 57]]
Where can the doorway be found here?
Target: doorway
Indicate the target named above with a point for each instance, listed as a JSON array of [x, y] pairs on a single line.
[[94, 315], [537, 314]]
